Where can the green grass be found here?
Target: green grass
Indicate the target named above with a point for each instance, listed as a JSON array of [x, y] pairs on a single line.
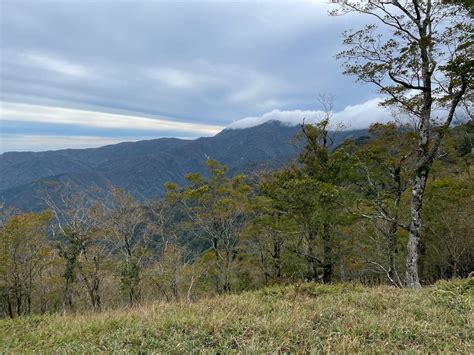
[[330, 318]]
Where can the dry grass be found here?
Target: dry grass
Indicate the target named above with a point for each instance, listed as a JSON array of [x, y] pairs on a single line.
[[306, 318]]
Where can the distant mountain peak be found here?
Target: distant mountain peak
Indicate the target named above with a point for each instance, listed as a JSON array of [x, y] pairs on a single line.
[[270, 122]]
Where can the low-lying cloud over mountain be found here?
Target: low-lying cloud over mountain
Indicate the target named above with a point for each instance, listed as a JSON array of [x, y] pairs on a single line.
[[352, 117]]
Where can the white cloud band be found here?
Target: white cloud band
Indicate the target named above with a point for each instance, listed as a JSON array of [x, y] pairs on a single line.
[[19, 112], [352, 117]]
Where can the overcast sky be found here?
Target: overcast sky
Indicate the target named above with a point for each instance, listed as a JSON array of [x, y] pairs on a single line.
[[89, 73]]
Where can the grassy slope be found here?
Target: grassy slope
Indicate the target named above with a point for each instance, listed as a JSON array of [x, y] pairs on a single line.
[[334, 318]]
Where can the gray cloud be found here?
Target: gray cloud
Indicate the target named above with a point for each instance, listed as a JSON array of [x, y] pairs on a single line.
[[213, 62], [201, 64]]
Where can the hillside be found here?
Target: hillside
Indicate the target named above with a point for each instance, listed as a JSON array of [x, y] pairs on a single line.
[[142, 168], [300, 318]]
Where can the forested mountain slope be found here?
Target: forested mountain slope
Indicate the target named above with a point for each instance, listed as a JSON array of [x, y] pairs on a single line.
[[143, 167]]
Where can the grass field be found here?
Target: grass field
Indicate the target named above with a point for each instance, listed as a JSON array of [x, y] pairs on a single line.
[[330, 318]]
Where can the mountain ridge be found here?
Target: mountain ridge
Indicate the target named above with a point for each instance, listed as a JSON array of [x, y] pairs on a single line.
[[143, 167]]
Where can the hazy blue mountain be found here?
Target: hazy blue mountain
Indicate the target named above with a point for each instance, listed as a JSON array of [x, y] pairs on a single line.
[[143, 167]]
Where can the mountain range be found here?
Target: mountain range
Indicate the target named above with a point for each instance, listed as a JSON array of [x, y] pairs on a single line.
[[142, 168]]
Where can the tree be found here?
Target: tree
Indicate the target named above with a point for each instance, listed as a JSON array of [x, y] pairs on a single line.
[[218, 210], [449, 205], [173, 269], [93, 261], [381, 174], [126, 223], [423, 66], [322, 170], [449, 212], [24, 256], [294, 196], [309, 193], [266, 235], [78, 235]]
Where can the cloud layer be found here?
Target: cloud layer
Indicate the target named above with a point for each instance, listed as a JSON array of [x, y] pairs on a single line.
[[113, 70], [206, 62], [351, 117], [56, 115]]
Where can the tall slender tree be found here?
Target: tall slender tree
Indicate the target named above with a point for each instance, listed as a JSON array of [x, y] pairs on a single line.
[[422, 63]]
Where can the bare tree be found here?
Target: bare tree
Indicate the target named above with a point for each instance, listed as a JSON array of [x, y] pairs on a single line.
[[128, 235], [78, 233]]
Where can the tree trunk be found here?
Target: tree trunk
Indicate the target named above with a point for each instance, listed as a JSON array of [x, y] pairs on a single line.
[[95, 296], [28, 304], [392, 250], [455, 268], [219, 271], [266, 274], [10, 308], [67, 304], [130, 297], [311, 257], [342, 269], [92, 285], [276, 255], [175, 285], [190, 289], [327, 247], [18, 302], [42, 300], [227, 270], [412, 278]]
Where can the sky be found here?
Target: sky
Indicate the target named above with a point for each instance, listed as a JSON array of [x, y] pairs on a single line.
[[77, 74]]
